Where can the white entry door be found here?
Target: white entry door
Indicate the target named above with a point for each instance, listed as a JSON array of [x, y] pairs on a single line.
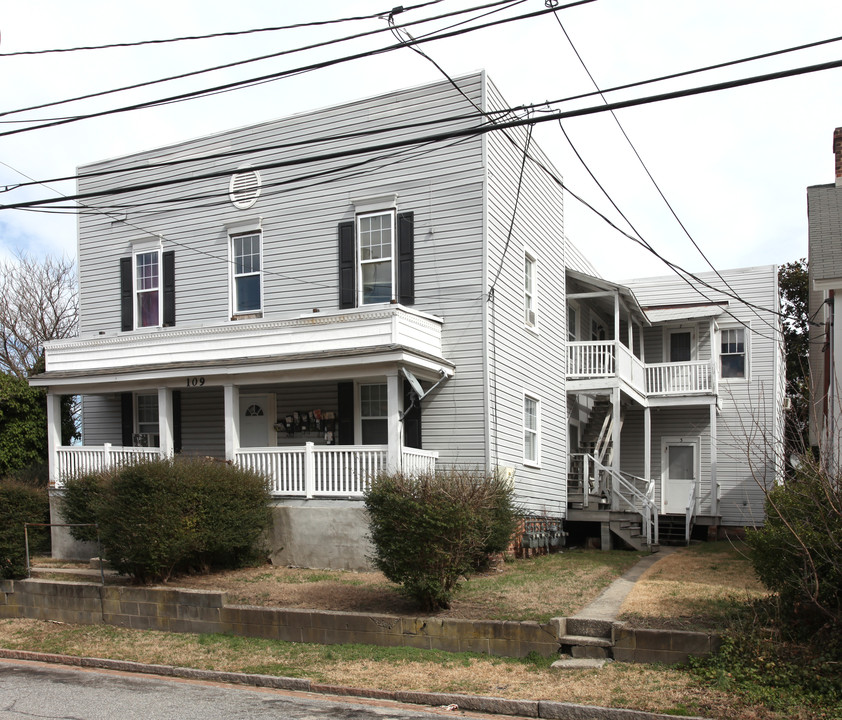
[[255, 421], [680, 459]]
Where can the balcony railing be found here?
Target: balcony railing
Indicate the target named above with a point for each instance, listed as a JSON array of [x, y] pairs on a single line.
[[304, 471], [680, 378], [609, 359]]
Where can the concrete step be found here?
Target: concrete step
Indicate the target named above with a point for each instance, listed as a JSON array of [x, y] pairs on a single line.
[[584, 641], [588, 627], [571, 663]]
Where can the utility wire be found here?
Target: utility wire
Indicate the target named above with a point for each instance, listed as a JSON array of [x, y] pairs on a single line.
[[268, 77], [646, 170], [461, 132], [232, 33]]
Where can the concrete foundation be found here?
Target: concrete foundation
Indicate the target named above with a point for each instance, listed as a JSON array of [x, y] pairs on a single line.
[[320, 534], [64, 546]]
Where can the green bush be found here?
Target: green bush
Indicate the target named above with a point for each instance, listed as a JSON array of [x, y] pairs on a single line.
[[797, 552], [162, 517], [429, 531], [21, 504]]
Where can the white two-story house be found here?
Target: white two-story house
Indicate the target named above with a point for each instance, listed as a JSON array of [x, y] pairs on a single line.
[[341, 292]]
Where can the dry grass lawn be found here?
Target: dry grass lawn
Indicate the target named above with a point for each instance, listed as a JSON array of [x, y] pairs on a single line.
[[616, 685], [695, 588]]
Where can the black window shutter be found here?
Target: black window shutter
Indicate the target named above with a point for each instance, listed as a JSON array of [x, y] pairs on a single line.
[[406, 258], [168, 259], [345, 413], [176, 420], [347, 269], [126, 305], [127, 418], [412, 419]]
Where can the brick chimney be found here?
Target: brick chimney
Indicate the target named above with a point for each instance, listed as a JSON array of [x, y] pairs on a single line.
[[837, 149]]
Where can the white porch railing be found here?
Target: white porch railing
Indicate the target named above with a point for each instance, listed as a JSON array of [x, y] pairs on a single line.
[[623, 491], [690, 513], [76, 459], [679, 378], [603, 359], [305, 471]]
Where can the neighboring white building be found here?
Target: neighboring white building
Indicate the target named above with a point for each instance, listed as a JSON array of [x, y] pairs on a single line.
[[824, 210], [282, 306]]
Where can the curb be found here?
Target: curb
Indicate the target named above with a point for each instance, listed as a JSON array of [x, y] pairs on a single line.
[[478, 703]]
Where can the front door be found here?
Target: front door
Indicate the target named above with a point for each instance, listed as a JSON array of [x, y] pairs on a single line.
[[679, 474], [255, 421]]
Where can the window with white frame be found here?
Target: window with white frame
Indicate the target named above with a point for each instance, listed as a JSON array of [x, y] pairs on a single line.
[[530, 287], [531, 430], [732, 353], [374, 414], [246, 280], [375, 251], [147, 283], [146, 425]]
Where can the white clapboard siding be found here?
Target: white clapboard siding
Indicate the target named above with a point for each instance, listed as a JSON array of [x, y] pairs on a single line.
[[520, 360], [749, 429]]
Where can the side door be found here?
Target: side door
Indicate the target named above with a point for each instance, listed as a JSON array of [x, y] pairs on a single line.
[[680, 473]]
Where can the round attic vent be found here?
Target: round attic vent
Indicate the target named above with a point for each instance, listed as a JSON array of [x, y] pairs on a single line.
[[244, 189]]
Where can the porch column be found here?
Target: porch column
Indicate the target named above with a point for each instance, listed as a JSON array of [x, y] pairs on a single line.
[[647, 443], [714, 495], [231, 394], [630, 331], [53, 435], [394, 424], [615, 440], [616, 316], [166, 442]]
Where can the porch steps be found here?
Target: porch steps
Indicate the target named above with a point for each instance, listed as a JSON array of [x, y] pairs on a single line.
[[585, 638], [631, 533]]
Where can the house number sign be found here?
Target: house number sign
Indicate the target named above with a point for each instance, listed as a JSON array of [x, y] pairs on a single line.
[[195, 382]]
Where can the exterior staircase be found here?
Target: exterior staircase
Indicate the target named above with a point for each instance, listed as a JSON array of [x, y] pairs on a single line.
[[671, 529]]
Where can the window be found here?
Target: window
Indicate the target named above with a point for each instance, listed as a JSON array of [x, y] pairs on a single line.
[[147, 434], [530, 304], [732, 353], [374, 413], [531, 431], [147, 289], [245, 252], [375, 233]]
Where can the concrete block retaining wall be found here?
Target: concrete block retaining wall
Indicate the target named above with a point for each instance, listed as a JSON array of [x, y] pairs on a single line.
[[193, 611]]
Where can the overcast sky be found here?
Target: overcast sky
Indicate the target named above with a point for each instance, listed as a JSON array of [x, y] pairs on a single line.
[[734, 165]]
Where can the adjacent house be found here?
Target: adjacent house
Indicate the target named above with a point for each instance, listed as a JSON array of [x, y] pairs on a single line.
[[384, 285], [824, 211]]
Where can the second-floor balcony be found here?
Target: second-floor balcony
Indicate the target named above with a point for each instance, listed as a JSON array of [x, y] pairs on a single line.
[[590, 364], [304, 340]]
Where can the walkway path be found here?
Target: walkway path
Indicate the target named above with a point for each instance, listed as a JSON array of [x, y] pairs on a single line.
[[607, 605]]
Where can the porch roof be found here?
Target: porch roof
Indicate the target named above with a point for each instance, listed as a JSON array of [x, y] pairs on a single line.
[[593, 283], [666, 313], [341, 363]]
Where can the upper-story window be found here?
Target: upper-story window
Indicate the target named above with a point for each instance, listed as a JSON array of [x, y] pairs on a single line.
[[530, 289], [732, 353], [147, 289], [377, 254], [572, 324], [147, 286], [246, 280], [375, 238]]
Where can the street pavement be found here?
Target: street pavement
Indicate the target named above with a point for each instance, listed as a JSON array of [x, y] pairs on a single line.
[[33, 690]]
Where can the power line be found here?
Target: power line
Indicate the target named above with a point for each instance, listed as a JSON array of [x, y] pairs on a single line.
[[462, 132], [646, 170], [209, 36], [264, 78]]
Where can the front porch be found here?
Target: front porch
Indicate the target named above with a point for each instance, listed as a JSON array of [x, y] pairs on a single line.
[[308, 471]]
